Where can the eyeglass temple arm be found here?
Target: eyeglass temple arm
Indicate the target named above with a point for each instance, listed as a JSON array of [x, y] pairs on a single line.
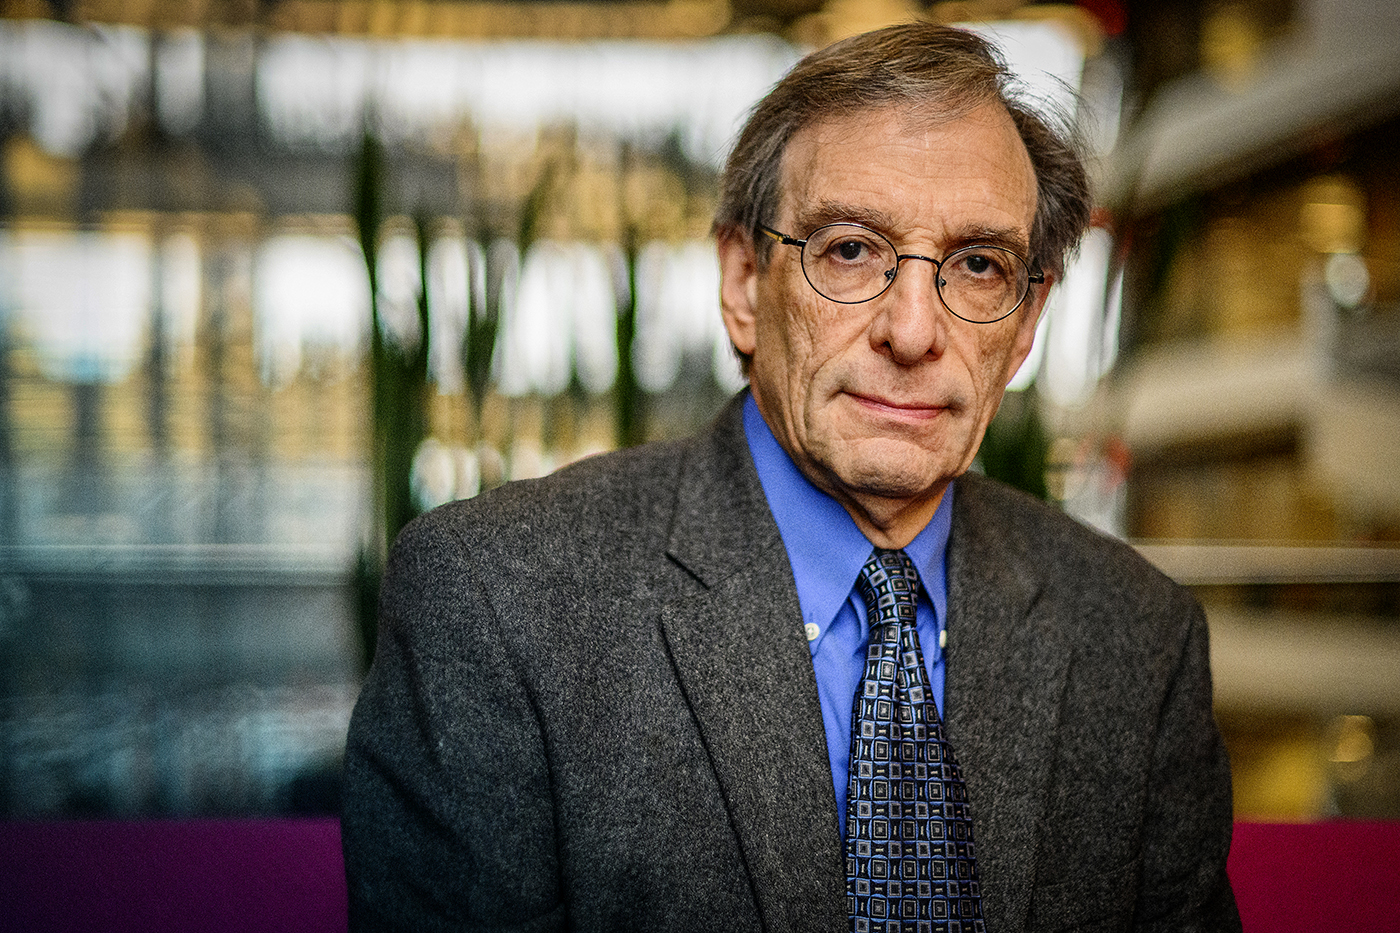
[[782, 238]]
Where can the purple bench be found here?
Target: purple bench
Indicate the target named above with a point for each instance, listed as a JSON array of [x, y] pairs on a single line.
[[1339, 876], [189, 876], [263, 876]]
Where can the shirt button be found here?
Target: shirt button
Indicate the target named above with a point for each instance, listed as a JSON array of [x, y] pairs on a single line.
[[943, 638], [812, 630]]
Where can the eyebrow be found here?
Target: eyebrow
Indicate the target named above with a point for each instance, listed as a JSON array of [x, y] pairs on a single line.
[[1011, 239], [827, 212]]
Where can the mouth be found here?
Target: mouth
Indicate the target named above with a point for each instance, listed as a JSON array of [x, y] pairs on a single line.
[[899, 409]]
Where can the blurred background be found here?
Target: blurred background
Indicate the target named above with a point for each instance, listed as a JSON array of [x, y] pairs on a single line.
[[276, 275]]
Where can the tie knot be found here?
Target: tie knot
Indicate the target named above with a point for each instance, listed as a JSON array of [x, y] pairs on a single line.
[[889, 584]]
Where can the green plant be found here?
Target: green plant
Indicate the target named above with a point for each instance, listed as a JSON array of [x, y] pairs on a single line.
[[398, 376]]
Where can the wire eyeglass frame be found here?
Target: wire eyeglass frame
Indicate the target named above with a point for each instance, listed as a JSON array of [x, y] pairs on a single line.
[[1018, 264]]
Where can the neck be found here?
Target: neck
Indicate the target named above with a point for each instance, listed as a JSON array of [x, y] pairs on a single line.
[[889, 523]]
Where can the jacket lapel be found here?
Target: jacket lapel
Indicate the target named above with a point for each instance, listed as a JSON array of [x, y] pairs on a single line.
[[744, 665], [1006, 676]]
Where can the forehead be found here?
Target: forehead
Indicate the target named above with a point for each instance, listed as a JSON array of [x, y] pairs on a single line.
[[914, 177]]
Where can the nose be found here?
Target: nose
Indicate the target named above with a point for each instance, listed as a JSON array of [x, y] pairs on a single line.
[[912, 322]]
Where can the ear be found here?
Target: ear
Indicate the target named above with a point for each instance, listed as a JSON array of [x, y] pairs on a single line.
[[738, 288], [1027, 319]]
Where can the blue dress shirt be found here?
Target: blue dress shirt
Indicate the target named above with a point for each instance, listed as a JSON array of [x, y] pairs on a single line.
[[827, 550]]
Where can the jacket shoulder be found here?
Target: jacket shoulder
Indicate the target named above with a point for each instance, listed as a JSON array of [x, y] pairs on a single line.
[[629, 491], [1017, 527]]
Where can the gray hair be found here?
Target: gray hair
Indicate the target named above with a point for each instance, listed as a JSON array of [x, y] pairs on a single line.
[[935, 70]]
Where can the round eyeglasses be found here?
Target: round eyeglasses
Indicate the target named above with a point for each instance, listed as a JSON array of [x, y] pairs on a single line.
[[849, 263]]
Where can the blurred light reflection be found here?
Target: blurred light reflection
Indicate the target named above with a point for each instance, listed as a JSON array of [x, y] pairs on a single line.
[[679, 315], [79, 83], [563, 321], [81, 299], [179, 80], [315, 91], [311, 299]]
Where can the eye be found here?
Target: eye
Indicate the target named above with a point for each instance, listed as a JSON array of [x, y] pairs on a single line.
[[982, 266], [847, 246], [851, 250], [978, 264], [847, 250]]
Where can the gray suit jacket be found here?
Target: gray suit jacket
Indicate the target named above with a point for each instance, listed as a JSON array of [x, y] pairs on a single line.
[[592, 707]]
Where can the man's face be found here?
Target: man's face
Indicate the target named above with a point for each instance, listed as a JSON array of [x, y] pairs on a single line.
[[882, 404]]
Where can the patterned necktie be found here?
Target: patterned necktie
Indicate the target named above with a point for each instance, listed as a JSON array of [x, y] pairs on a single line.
[[909, 857]]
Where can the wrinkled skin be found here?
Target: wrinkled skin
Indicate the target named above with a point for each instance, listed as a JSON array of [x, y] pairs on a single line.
[[882, 404]]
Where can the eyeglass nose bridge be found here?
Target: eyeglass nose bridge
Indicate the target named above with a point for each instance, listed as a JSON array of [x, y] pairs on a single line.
[[938, 280]]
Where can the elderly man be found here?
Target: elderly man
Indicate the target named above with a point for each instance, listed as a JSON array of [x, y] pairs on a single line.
[[803, 671]]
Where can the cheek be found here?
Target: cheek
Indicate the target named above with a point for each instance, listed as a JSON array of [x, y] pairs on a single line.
[[990, 357], [1001, 351], [789, 332]]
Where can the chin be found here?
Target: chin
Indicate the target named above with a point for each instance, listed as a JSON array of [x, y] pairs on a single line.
[[904, 479]]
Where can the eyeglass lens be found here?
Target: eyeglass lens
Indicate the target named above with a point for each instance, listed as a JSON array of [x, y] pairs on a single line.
[[849, 263]]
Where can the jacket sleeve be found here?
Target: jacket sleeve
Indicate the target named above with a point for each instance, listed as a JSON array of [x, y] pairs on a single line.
[[447, 820], [1188, 813]]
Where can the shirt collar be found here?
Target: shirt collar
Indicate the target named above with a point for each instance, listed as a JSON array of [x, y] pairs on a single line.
[[825, 547]]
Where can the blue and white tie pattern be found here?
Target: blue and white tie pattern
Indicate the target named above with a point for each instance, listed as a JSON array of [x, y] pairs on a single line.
[[910, 864]]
